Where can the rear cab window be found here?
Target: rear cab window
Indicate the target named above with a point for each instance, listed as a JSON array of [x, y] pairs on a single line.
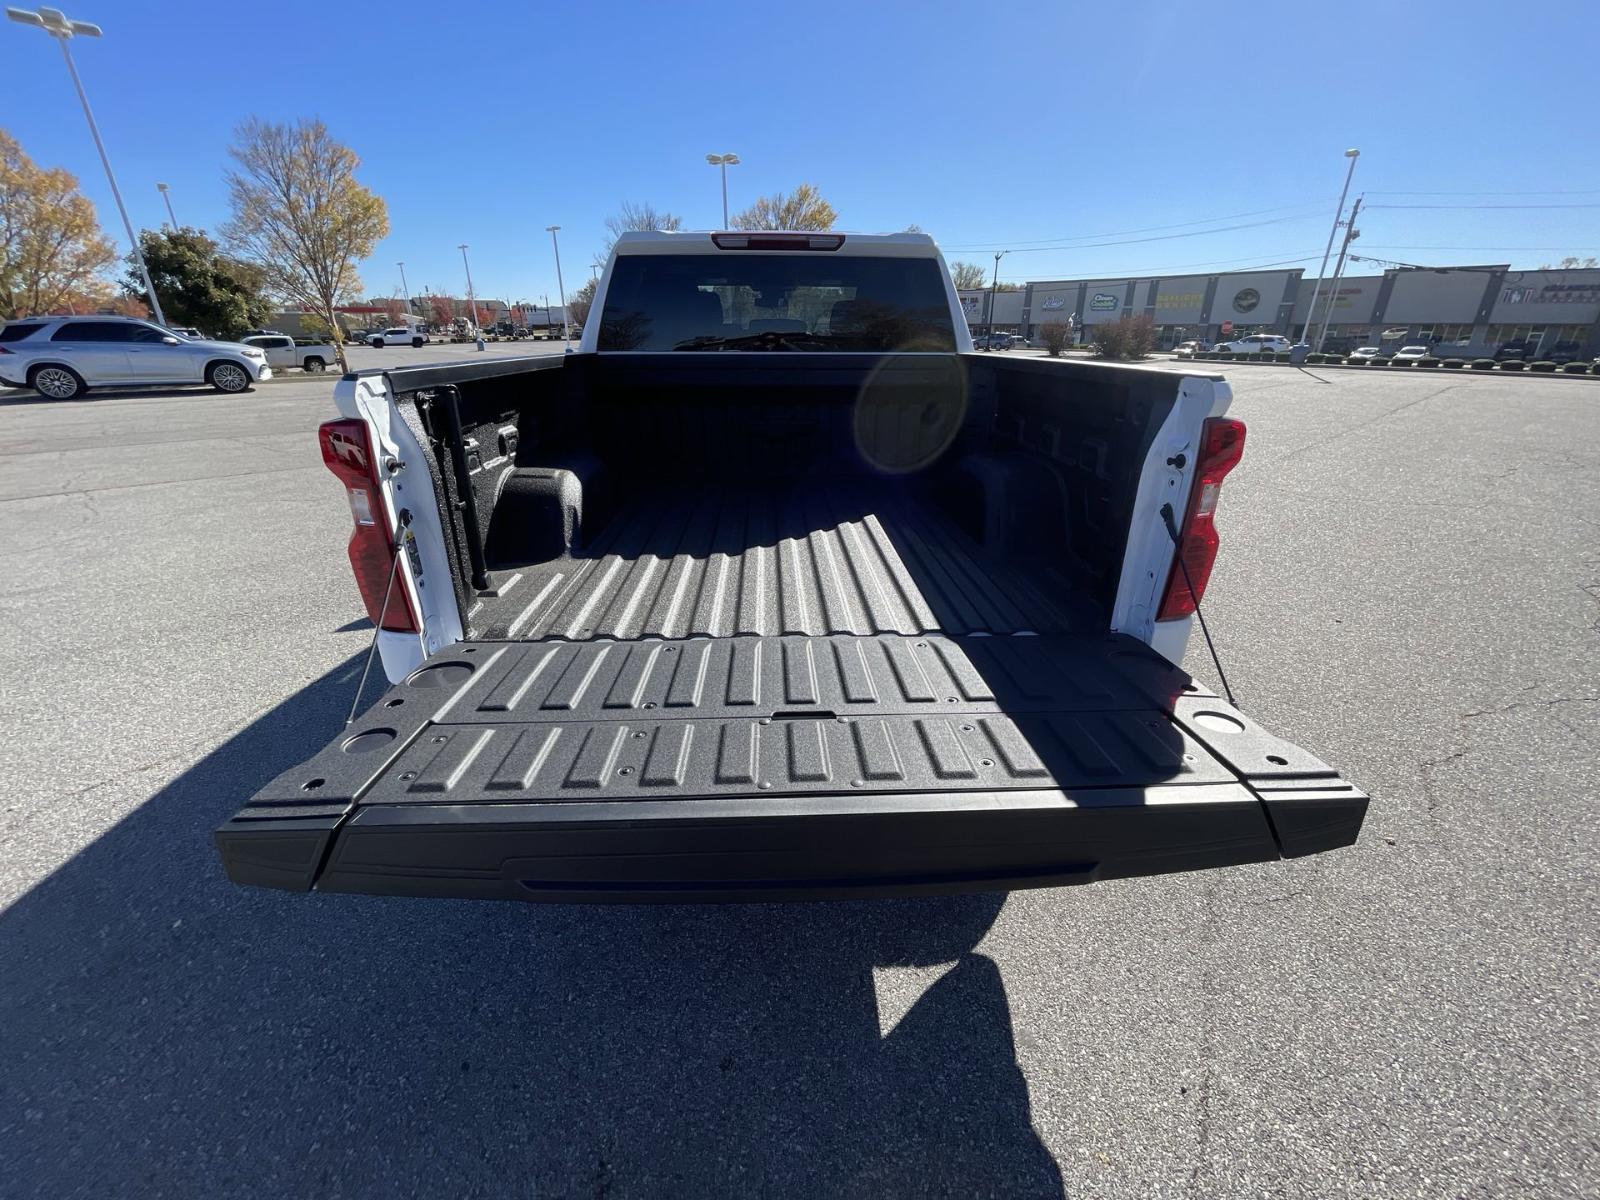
[[746, 300]]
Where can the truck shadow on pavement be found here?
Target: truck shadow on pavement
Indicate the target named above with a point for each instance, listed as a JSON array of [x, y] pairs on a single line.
[[166, 1032]]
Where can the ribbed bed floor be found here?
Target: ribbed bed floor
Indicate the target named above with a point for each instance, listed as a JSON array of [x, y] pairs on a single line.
[[830, 557]]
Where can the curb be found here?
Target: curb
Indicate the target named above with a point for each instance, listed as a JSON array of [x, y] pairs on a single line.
[[1439, 370]]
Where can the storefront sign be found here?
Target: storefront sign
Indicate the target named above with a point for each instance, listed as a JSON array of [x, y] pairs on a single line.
[[1245, 300], [1105, 302], [1054, 303], [1553, 293], [1180, 300]]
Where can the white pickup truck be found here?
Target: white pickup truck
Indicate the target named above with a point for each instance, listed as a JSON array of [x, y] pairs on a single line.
[[283, 352], [776, 590]]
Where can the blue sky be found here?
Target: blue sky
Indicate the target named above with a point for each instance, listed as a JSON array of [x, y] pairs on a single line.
[[988, 126]]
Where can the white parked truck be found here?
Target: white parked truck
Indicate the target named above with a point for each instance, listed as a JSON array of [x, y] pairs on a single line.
[[776, 590], [400, 335], [283, 352]]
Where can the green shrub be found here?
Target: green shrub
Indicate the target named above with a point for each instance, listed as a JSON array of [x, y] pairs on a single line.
[[1426, 362], [1483, 364], [1333, 359], [1513, 364], [1358, 362], [1574, 368], [1543, 367], [1280, 356], [1127, 337], [1056, 335], [1454, 364], [1316, 357]]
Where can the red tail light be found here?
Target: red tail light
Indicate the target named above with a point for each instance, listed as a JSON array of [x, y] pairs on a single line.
[[347, 451], [777, 241], [1221, 447]]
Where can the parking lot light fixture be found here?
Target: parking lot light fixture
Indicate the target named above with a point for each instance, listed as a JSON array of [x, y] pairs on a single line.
[[166, 194], [561, 288], [724, 161], [1352, 154], [405, 288], [59, 26], [472, 300]]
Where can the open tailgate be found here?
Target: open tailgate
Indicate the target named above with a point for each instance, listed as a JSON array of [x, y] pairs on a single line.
[[763, 768]]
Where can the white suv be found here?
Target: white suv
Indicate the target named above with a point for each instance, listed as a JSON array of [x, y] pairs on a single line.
[[63, 357], [1274, 343]]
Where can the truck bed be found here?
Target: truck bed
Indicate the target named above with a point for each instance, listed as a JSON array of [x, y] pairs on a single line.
[[783, 627], [815, 557]]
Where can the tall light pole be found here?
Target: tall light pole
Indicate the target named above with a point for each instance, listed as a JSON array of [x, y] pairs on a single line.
[[1338, 212], [988, 341], [56, 23], [167, 196], [1350, 234], [472, 300], [405, 288], [561, 288], [724, 161]]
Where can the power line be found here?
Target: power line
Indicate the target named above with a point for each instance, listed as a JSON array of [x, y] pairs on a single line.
[[1165, 237], [1170, 268], [1485, 249], [1481, 207], [1558, 192], [1047, 242]]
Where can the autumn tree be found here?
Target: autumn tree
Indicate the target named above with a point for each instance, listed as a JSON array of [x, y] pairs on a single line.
[[441, 311], [51, 247], [198, 286], [580, 302], [637, 218], [967, 276], [1572, 262], [804, 208], [300, 214]]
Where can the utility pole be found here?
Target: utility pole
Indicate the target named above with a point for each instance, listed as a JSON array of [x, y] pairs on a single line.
[[1311, 312], [1350, 234], [993, 286]]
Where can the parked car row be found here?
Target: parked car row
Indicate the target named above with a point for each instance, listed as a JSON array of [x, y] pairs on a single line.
[[63, 357], [1000, 341]]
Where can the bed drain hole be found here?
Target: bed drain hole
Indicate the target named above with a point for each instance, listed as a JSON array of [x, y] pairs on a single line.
[[1273, 758], [312, 785], [395, 703]]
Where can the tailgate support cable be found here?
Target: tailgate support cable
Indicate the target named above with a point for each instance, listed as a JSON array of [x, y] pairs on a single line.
[[1177, 543], [403, 535]]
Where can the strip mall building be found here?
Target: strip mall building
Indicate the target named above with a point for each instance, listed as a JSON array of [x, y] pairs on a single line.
[[1474, 309]]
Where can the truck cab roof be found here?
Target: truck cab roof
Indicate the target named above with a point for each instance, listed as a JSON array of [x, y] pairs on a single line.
[[727, 241]]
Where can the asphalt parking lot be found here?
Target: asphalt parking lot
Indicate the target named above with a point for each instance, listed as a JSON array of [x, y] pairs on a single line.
[[1409, 586]]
